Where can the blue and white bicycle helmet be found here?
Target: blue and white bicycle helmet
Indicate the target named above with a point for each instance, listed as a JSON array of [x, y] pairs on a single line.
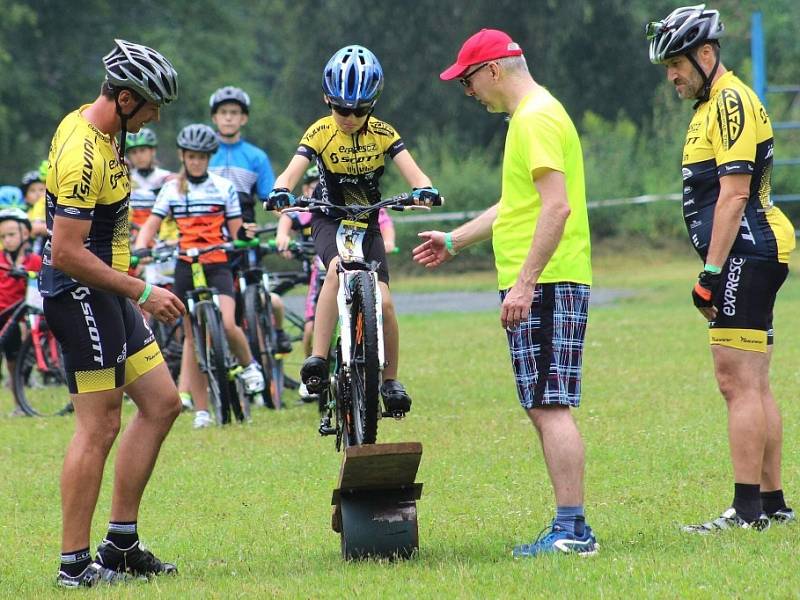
[[353, 77], [11, 197]]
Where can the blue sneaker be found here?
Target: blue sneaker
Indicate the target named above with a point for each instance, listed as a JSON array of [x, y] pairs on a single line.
[[556, 539]]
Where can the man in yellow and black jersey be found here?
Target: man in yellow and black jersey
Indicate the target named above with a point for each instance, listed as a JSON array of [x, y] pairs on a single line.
[[90, 304], [745, 244]]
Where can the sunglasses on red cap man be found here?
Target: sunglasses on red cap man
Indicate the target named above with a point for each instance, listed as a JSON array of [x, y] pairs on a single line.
[[480, 49]]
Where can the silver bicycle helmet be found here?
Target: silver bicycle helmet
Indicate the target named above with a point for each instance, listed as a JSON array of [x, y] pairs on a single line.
[[682, 30], [199, 138], [143, 70], [15, 214], [229, 93]]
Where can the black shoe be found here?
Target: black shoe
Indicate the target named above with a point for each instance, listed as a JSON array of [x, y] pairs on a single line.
[[782, 516], [395, 397], [94, 574], [314, 374], [729, 520], [135, 560], [282, 342]]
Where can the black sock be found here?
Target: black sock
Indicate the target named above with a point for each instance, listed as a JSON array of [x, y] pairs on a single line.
[[773, 501], [122, 534], [747, 501], [74, 563]]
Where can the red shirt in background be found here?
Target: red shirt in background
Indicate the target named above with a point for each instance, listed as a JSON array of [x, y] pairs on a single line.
[[12, 289]]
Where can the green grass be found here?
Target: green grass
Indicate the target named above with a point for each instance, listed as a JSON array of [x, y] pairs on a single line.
[[245, 511]]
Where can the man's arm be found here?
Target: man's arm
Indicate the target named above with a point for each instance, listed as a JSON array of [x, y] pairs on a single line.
[[70, 256], [734, 191], [73, 258], [552, 189], [433, 251]]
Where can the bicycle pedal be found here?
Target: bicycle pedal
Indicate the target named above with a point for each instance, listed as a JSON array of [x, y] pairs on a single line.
[[232, 373], [396, 414]]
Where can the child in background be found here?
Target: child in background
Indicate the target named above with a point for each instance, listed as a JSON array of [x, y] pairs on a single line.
[[15, 233]]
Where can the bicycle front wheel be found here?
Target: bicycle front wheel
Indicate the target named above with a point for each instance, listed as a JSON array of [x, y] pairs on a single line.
[[208, 335], [40, 384], [261, 339], [364, 365]]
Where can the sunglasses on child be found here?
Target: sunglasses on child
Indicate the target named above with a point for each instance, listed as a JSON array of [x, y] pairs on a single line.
[[361, 111]]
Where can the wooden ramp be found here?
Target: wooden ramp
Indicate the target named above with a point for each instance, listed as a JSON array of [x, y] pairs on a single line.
[[375, 508]]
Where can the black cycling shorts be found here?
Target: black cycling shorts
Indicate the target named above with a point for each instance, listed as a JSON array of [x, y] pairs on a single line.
[[744, 302], [105, 339], [218, 276], [323, 230]]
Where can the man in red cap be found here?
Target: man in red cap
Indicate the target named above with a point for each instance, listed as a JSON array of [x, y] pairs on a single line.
[[540, 236]]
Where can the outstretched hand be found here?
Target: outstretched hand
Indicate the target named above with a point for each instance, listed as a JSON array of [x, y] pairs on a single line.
[[432, 252]]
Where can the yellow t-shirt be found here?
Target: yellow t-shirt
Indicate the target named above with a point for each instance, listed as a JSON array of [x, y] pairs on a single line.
[[541, 135]]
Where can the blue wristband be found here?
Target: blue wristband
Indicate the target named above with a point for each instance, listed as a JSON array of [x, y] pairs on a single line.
[[714, 270]]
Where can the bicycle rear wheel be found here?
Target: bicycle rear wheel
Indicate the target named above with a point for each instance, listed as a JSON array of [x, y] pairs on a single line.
[[212, 349], [40, 384], [261, 339], [364, 385]]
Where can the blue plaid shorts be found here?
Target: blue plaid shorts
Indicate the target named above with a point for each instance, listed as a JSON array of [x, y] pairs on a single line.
[[547, 348]]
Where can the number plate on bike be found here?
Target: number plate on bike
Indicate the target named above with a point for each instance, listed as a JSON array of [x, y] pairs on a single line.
[[350, 240]]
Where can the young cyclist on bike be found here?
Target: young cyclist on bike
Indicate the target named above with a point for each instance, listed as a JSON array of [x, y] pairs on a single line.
[[206, 209], [15, 231], [349, 145], [147, 179], [300, 223]]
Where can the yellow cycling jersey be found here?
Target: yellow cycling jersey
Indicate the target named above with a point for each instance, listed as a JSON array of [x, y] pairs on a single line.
[[731, 134], [350, 165], [86, 181]]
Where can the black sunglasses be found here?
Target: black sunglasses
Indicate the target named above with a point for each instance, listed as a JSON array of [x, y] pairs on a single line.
[[465, 80], [361, 111]]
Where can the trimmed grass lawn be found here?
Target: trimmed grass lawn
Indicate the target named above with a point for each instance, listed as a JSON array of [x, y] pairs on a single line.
[[245, 511]]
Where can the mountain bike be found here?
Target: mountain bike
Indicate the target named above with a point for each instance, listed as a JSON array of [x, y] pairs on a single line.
[[40, 384], [255, 285], [352, 396], [226, 393]]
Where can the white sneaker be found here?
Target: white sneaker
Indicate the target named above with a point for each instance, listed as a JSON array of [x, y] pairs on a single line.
[[252, 378], [202, 419]]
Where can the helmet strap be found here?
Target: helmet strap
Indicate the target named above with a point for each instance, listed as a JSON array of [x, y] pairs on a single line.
[[705, 91], [123, 118]]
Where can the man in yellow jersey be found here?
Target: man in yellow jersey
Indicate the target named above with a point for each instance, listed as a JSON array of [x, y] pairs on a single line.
[[540, 237], [745, 244], [90, 304]]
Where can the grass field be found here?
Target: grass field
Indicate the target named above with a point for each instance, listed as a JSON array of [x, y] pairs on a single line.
[[244, 511]]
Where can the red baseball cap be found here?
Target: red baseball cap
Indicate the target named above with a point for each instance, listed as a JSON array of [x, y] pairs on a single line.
[[487, 44]]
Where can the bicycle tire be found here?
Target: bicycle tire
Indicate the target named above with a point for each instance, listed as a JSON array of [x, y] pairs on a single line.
[[262, 341], [364, 363], [48, 400], [213, 351], [170, 341]]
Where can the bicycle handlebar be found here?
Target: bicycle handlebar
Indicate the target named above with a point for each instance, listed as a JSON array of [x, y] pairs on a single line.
[[400, 202]]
